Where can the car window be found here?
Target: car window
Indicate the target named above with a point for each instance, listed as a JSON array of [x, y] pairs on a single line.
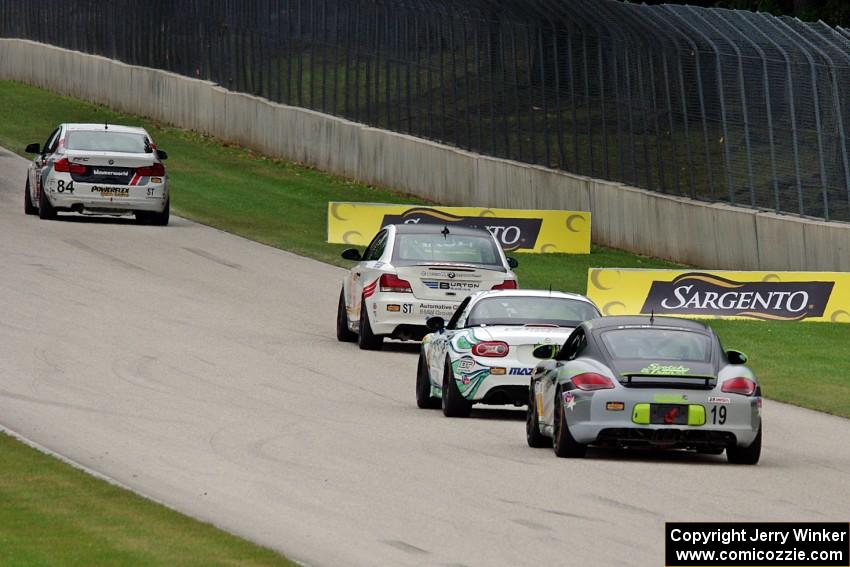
[[50, 145], [376, 247], [531, 310], [438, 247], [458, 320], [106, 141], [571, 347], [657, 344]]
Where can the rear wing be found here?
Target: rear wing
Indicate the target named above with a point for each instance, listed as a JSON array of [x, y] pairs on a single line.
[[683, 381]]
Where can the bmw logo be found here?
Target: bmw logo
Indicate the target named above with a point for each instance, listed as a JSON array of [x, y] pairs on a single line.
[[451, 275]]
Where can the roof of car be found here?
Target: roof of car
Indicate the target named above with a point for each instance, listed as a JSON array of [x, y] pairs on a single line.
[[428, 228], [645, 321], [529, 293], [104, 128]]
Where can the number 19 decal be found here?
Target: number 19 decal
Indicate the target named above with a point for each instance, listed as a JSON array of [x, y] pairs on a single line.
[[718, 415]]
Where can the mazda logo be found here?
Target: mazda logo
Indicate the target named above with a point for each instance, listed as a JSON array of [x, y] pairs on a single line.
[[112, 162]]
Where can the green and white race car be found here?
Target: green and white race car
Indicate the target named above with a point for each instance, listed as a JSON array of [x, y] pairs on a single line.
[[485, 354], [644, 381]]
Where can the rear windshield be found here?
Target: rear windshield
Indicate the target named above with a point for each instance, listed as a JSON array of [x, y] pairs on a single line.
[[105, 141], [658, 344], [466, 249], [530, 311]]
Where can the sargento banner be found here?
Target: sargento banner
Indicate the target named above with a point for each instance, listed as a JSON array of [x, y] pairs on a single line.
[[769, 296], [516, 229]]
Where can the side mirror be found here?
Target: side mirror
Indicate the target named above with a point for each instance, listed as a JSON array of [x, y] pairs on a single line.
[[162, 154], [512, 262], [435, 323], [351, 254], [545, 352], [33, 149], [736, 357]]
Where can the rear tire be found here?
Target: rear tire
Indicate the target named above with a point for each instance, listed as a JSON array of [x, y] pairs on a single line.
[[454, 404], [745, 455], [155, 218], [532, 424], [343, 333], [29, 207], [424, 399], [563, 441], [366, 339], [45, 209]]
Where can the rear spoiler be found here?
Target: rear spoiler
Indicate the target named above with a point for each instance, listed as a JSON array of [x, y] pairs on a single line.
[[685, 381]]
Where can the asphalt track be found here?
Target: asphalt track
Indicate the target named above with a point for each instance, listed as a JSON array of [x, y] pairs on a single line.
[[201, 369]]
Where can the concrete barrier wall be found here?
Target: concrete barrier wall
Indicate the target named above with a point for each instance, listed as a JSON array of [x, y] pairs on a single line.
[[691, 232]]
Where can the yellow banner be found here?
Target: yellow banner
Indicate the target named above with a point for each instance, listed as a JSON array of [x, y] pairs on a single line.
[[517, 230], [768, 296]]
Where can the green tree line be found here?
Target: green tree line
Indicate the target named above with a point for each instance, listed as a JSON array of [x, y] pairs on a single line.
[[833, 12]]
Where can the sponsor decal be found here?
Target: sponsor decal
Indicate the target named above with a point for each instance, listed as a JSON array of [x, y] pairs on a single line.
[[769, 296], [111, 191], [655, 368], [516, 229], [719, 400], [466, 364], [435, 284], [569, 400], [520, 371], [111, 172], [436, 309]]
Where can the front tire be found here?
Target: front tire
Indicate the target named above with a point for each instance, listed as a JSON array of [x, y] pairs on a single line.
[[343, 333], [424, 400], [532, 424], [45, 209], [366, 339], [29, 207], [745, 455], [563, 441], [454, 404]]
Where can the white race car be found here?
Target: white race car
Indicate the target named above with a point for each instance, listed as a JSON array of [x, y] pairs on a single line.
[[409, 273], [98, 169], [485, 354]]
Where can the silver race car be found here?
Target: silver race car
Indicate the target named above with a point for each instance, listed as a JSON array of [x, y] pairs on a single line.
[[644, 381], [484, 355]]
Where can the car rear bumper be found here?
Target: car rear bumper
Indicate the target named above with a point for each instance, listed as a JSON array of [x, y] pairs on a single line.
[[400, 315], [592, 422], [109, 199]]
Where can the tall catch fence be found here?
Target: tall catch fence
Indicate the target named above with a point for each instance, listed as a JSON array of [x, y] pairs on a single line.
[[713, 104]]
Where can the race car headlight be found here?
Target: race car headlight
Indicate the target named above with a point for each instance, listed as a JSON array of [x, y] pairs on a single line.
[[590, 381], [740, 385]]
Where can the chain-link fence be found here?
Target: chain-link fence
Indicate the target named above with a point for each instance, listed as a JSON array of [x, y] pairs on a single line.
[[713, 104]]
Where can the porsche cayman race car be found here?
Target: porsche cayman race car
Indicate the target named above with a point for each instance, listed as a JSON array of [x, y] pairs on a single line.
[[98, 169], [485, 352], [645, 381], [409, 273]]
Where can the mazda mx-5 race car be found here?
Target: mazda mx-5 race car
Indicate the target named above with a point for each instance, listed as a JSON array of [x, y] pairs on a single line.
[[411, 272], [485, 353], [645, 381], [98, 169]]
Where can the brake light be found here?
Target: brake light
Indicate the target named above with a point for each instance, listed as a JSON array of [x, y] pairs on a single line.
[[65, 166], [740, 385], [392, 283], [507, 284], [155, 170], [590, 381], [491, 349]]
